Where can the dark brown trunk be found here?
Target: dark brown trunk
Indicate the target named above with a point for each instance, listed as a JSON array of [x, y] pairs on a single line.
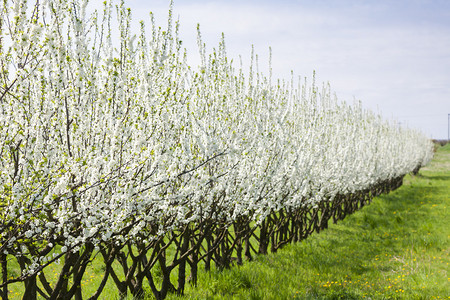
[[4, 261]]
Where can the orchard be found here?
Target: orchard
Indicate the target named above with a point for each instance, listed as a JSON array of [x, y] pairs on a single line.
[[112, 147]]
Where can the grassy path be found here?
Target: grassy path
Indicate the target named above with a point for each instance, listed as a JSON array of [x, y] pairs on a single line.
[[396, 248]]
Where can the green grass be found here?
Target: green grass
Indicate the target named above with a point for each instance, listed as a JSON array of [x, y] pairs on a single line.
[[395, 248]]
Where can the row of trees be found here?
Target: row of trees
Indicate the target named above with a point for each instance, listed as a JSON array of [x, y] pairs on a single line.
[[116, 149]]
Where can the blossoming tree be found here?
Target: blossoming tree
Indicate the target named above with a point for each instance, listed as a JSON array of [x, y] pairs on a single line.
[[116, 149]]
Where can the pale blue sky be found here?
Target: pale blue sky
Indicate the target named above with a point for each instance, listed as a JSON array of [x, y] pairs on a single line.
[[394, 55]]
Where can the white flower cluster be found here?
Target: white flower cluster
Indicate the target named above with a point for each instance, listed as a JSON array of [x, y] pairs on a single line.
[[105, 143]]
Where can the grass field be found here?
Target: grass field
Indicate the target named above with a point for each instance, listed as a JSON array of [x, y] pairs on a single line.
[[395, 248]]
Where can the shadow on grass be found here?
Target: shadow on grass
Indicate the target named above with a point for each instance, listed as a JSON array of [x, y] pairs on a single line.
[[440, 177]]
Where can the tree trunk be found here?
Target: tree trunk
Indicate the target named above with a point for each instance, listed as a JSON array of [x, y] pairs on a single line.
[[4, 292]]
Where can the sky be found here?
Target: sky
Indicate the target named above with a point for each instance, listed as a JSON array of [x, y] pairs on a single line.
[[392, 55]]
